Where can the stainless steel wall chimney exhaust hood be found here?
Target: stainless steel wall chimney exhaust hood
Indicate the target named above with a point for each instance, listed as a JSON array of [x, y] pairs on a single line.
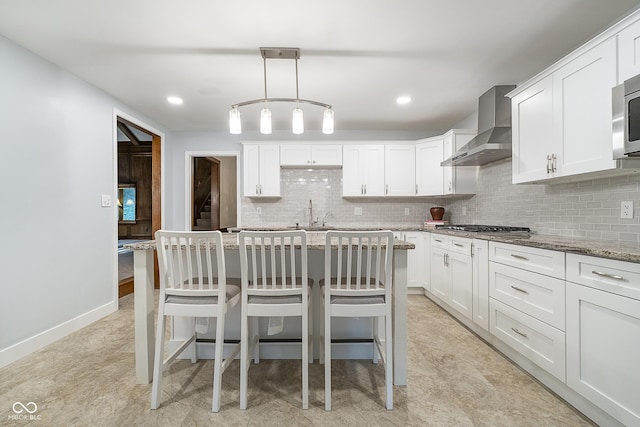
[[493, 141]]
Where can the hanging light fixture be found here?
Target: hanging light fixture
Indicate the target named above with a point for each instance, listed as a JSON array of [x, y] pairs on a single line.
[[297, 122]]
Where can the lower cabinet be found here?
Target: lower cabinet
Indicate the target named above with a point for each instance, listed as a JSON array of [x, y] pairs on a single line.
[[480, 279], [528, 308], [417, 260], [603, 335], [452, 272]]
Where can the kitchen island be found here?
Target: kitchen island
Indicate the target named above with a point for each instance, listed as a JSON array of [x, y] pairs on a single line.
[[144, 254]]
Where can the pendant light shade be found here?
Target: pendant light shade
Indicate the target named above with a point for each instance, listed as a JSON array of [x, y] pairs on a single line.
[[235, 125], [298, 121], [327, 121], [265, 121]]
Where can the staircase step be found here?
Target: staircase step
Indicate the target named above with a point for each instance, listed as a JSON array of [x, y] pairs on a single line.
[[205, 215], [207, 208], [203, 222]]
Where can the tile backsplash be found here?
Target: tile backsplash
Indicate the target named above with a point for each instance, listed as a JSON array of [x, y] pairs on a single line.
[[586, 209], [589, 209], [324, 188]]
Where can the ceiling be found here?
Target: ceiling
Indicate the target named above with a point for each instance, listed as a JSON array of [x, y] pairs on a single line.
[[357, 55]]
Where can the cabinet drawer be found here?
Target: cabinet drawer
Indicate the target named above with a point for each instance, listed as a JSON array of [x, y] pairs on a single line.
[[543, 261], [460, 245], [439, 241], [618, 277], [535, 294], [544, 345]]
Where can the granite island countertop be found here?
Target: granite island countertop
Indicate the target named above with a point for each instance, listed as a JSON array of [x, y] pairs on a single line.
[[315, 241], [616, 250]]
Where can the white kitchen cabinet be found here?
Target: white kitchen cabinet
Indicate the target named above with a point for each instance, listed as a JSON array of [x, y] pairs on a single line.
[[527, 303], [451, 272], [458, 179], [562, 121], [429, 174], [532, 132], [480, 279], [629, 52], [417, 267], [399, 169], [603, 334], [435, 180], [363, 170], [538, 341], [582, 111], [261, 171], [311, 155]]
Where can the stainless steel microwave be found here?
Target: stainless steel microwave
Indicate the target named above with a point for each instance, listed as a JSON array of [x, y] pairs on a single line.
[[626, 119]]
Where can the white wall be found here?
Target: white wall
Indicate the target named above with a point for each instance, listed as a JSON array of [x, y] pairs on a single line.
[[58, 252]]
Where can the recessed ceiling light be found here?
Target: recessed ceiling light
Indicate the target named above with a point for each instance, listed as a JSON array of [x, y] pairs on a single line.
[[174, 100], [403, 100]]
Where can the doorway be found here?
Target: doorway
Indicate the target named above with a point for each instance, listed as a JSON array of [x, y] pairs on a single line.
[[211, 191], [138, 192]]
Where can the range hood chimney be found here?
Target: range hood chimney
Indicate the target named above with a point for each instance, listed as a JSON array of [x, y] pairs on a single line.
[[493, 141]]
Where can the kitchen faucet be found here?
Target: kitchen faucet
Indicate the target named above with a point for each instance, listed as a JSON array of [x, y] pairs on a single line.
[[311, 221], [324, 218]]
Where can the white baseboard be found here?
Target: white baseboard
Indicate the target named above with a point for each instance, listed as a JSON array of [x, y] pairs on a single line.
[[19, 350]]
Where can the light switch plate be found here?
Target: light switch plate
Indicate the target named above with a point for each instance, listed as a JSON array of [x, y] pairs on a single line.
[[626, 209], [357, 211], [406, 211], [106, 200]]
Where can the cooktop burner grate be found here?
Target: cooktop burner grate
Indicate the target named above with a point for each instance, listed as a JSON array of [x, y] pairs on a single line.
[[477, 228]]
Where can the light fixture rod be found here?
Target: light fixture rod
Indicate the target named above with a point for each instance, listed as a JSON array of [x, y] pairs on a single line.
[[265, 78], [297, 94], [257, 101]]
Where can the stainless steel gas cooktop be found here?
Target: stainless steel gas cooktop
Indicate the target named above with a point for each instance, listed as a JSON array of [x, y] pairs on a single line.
[[477, 228]]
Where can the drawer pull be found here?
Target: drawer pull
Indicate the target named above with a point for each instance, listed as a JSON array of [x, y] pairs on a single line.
[[519, 333], [611, 276], [460, 245], [437, 240], [520, 257], [519, 289]]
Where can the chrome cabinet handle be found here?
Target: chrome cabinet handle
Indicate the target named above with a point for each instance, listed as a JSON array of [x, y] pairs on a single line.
[[520, 257], [611, 276], [438, 240], [386, 189], [314, 162], [365, 189], [553, 163], [519, 289], [548, 164], [459, 245], [416, 188], [522, 334], [472, 249], [361, 189], [257, 189]]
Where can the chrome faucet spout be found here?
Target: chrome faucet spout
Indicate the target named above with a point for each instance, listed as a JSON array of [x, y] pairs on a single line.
[[310, 213]]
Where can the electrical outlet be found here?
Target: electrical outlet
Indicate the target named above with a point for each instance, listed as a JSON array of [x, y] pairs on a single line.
[[464, 211], [258, 210], [357, 211], [626, 209], [406, 211]]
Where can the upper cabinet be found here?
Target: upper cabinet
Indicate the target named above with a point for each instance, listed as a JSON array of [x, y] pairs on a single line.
[[435, 180], [314, 155], [561, 119], [363, 170], [399, 170], [629, 52], [261, 170]]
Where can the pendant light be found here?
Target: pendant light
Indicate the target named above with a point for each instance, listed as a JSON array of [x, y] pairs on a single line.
[[297, 122]]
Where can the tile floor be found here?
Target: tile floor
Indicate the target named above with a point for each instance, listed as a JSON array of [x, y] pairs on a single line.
[[455, 379]]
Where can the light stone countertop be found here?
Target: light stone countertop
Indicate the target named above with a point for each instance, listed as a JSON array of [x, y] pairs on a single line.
[[315, 241], [598, 248]]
